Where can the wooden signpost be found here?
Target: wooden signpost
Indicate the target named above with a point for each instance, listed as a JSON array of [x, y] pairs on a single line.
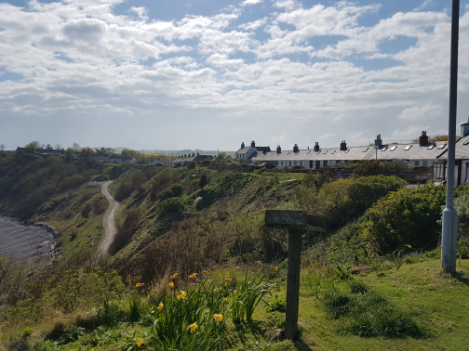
[[295, 222]]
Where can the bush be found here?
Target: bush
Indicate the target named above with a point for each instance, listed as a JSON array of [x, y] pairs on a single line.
[[191, 165], [171, 205], [115, 172], [129, 227], [346, 199], [408, 216]]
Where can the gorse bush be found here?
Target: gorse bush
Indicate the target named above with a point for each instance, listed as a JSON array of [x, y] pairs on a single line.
[[407, 216], [345, 199]]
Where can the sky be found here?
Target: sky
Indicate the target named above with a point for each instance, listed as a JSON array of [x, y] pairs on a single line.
[[174, 74]]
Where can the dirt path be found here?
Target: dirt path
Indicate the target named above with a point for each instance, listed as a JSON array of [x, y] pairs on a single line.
[[108, 220]]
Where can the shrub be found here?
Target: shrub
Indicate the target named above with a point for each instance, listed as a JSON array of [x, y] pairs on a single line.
[[115, 172], [408, 216], [171, 205], [191, 165], [129, 227]]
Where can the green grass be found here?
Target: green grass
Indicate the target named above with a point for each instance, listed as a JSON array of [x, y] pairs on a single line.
[[437, 301]]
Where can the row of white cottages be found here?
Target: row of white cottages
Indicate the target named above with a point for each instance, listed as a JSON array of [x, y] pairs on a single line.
[[424, 153]]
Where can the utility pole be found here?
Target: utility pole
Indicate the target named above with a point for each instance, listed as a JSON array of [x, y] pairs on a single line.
[[449, 233]]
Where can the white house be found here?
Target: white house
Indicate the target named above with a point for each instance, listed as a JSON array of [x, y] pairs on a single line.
[[121, 159], [249, 152]]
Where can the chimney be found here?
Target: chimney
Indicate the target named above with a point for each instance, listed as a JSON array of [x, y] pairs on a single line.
[[423, 140], [465, 128], [197, 154], [253, 144], [185, 155], [378, 141], [316, 146], [343, 145], [242, 145], [295, 148], [279, 149]]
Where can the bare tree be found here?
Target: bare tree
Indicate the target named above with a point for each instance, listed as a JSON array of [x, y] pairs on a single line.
[[58, 147], [2, 147], [76, 147]]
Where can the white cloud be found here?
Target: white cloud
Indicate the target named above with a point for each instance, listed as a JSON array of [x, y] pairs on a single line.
[[250, 2], [425, 112], [286, 4], [253, 25], [81, 59]]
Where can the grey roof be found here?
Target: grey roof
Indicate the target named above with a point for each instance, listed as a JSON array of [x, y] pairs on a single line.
[[462, 151], [122, 158], [399, 152], [196, 158], [244, 150]]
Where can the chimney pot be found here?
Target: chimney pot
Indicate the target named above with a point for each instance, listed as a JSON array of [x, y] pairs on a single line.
[[423, 140], [295, 148], [279, 149]]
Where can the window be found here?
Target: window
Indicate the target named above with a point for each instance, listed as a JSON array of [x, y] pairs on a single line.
[[325, 152], [289, 153], [407, 148], [290, 163], [384, 148], [366, 149], [324, 163], [416, 163], [393, 148], [332, 152], [466, 142], [424, 163], [442, 146], [430, 147], [308, 152], [346, 151]]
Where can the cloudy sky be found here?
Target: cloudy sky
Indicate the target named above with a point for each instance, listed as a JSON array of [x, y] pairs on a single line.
[[173, 74]]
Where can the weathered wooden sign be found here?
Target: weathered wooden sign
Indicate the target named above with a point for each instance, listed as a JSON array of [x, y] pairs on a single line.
[[286, 219]]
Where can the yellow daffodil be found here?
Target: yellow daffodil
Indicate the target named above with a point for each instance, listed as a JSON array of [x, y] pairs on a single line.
[[206, 272], [171, 285], [222, 294], [139, 285], [141, 342], [229, 280], [193, 327], [160, 306], [193, 276], [174, 276], [218, 317], [151, 309], [259, 262], [275, 267], [181, 296], [409, 246]]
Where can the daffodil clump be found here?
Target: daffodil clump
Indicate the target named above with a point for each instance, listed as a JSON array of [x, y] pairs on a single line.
[[194, 318]]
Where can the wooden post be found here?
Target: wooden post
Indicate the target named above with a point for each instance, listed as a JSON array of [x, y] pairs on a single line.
[[295, 222], [293, 283]]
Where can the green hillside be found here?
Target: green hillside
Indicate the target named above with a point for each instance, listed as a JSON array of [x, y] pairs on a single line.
[[370, 278]]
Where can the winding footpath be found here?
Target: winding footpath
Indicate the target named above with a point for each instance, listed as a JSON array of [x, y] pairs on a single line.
[[108, 220]]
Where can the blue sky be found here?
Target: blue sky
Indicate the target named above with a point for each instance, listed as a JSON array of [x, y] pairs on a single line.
[[174, 74]]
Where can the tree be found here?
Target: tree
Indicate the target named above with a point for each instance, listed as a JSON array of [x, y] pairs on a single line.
[[221, 162], [49, 147], [69, 153], [128, 152], [203, 182], [58, 147], [32, 147], [86, 152], [2, 147], [76, 147]]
